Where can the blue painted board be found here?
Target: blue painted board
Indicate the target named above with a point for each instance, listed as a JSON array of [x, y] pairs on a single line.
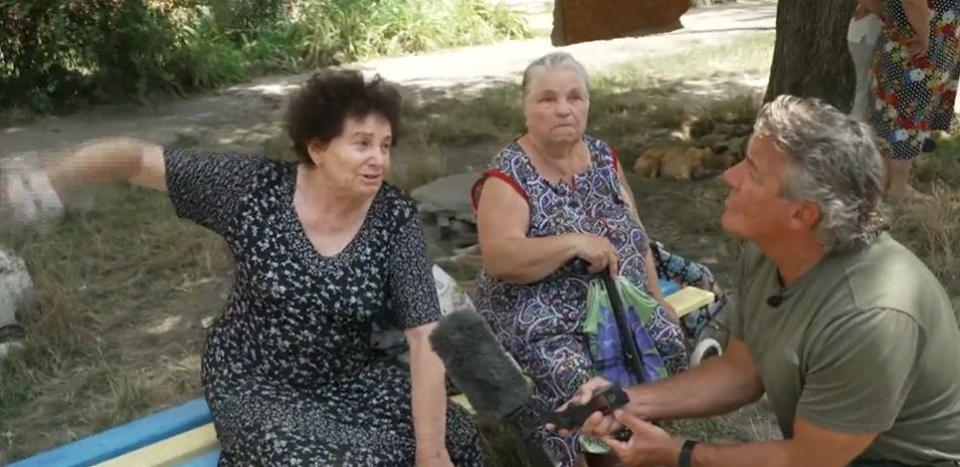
[[124, 438]]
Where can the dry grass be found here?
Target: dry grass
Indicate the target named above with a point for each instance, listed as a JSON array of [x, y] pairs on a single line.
[[122, 286], [932, 229], [116, 331]]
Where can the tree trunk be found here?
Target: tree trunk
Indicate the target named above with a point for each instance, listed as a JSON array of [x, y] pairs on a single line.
[[810, 58]]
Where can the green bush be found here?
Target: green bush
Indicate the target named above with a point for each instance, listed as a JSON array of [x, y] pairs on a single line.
[[54, 53], [206, 58], [130, 57]]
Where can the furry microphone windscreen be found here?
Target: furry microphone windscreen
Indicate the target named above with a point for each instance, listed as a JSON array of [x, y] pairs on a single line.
[[478, 365]]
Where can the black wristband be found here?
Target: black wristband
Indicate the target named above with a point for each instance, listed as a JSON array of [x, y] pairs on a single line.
[[686, 454]]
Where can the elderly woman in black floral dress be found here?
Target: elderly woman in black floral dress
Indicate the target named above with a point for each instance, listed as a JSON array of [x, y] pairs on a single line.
[[322, 248]]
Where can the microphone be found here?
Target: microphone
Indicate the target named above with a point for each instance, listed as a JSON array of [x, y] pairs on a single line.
[[774, 301], [488, 377]]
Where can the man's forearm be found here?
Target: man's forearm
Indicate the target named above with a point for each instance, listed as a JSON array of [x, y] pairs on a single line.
[[768, 454], [719, 385]]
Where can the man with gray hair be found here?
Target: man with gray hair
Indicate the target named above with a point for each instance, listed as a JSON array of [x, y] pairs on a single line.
[[851, 337]]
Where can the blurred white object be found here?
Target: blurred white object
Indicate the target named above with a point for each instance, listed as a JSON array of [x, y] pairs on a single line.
[[26, 196], [388, 338], [865, 30], [863, 36], [452, 297], [706, 348], [16, 290]]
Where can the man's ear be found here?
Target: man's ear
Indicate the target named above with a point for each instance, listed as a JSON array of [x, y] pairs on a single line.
[[806, 215]]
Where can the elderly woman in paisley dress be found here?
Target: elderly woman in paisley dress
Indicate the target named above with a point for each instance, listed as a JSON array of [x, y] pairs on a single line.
[[553, 195], [322, 247]]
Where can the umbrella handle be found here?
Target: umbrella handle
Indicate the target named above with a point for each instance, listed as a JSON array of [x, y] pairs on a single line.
[[627, 343]]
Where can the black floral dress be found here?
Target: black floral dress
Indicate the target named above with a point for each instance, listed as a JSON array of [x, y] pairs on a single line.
[[288, 368], [915, 95]]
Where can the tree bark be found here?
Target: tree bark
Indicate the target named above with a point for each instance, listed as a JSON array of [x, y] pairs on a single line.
[[810, 58]]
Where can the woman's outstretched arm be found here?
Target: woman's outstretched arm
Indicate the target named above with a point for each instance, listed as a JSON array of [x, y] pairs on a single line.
[[111, 160]]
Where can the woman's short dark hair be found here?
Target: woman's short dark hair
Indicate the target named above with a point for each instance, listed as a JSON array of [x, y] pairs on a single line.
[[319, 109]]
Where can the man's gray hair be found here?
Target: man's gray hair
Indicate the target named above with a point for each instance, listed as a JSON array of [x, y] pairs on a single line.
[[552, 61], [833, 161]]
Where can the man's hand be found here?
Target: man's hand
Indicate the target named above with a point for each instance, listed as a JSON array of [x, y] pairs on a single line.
[[648, 446], [583, 397]]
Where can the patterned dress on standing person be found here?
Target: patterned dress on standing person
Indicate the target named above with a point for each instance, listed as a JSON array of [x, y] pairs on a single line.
[[912, 95]]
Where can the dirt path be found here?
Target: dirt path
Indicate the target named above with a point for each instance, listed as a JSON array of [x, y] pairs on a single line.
[[237, 115]]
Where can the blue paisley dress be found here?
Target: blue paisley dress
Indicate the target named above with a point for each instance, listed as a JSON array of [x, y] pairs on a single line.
[[539, 324]]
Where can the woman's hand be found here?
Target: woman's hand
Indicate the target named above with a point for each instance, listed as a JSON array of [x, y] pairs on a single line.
[[870, 6], [598, 251], [434, 458], [27, 197], [918, 15], [917, 45], [671, 313], [860, 11]]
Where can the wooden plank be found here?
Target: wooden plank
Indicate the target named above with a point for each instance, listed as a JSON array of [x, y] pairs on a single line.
[[171, 451], [689, 299], [123, 438], [207, 459]]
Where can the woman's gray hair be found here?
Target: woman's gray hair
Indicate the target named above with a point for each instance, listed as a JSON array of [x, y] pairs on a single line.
[[833, 161], [553, 61]]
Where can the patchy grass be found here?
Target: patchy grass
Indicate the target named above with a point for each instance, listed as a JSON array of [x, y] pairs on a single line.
[[932, 229], [648, 102], [116, 331], [123, 285]]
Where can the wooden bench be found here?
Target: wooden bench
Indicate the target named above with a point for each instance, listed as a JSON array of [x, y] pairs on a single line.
[[166, 434], [184, 435]]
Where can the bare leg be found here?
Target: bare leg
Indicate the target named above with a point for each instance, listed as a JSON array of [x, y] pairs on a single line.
[[886, 174], [898, 182]]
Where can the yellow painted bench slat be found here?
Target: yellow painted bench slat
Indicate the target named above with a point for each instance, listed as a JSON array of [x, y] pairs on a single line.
[[171, 451], [689, 299]]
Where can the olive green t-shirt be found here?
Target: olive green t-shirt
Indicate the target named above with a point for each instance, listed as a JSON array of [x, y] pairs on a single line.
[[865, 342]]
